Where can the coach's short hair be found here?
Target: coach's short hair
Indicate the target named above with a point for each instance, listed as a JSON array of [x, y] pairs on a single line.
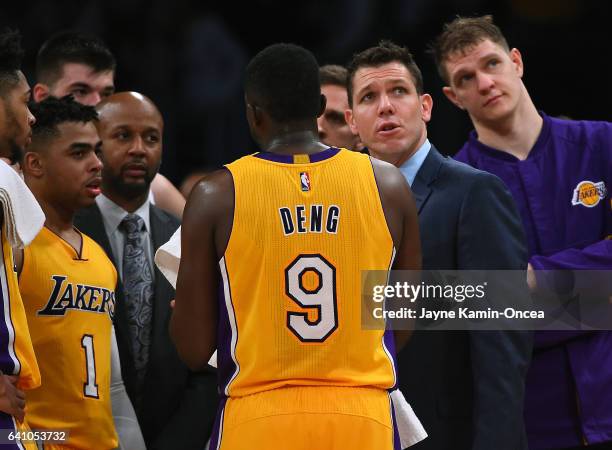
[[285, 78], [53, 111], [11, 55], [71, 47], [333, 74], [462, 34], [385, 52]]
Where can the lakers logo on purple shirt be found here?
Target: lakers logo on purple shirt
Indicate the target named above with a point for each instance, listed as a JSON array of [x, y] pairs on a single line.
[[589, 193]]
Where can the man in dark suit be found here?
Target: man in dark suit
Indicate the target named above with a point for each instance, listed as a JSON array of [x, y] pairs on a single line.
[[175, 407], [466, 387]]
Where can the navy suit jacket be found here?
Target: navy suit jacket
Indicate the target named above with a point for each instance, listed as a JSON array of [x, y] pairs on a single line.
[[467, 387], [178, 406]]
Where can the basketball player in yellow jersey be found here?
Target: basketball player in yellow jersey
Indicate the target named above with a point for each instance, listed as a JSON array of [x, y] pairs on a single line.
[[68, 282], [287, 233], [18, 367]]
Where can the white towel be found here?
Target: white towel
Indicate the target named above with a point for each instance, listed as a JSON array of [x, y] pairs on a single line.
[[409, 426], [168, 257], [22, 213]]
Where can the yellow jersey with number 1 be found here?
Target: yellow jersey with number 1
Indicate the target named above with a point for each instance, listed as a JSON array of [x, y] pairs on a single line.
[[304, 229], [69, 297]]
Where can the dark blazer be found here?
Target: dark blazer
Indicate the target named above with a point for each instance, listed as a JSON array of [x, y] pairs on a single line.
[[178, 406], [467, 387]]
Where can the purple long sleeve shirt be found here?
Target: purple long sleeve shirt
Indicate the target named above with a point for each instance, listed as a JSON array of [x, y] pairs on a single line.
[[562, 191]]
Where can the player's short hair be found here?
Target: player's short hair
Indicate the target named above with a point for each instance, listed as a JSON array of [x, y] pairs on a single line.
[[285, 78], [383, 53], [462, 34], [11, 55], [71, 47], [333, 74], [53, 111]]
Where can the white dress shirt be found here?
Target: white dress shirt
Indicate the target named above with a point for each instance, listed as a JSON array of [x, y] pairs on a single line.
[[112, 215]]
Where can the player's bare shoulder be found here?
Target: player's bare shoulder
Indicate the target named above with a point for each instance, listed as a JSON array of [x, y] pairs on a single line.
[[214, 192], [211, 207]]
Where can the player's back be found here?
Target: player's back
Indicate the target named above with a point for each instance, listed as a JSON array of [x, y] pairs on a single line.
[[304, 229], [69, 298]]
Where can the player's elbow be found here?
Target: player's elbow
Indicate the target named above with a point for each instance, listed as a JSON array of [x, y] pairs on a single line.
[[194, 362], [194, 350]]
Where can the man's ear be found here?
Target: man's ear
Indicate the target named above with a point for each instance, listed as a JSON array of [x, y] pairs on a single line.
[[450, 94], [350, 120], [253, 114], [426, 106], [323, 101], [33, 164], [517, 61], [40, 92]]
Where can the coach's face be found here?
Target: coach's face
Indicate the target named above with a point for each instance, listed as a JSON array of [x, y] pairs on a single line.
[[388, 113], [130, 128]]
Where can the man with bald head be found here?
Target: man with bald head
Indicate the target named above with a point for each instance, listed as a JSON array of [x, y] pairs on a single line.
[[175, 407]]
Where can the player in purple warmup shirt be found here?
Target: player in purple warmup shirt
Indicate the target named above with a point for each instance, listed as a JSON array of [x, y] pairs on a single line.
[[560, 174]]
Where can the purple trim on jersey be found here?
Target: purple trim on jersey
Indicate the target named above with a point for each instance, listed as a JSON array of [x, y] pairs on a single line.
[[8, 423], [389, 341], [225, 363], [7, 363], [397, 444], [288, 159], [217, 430]]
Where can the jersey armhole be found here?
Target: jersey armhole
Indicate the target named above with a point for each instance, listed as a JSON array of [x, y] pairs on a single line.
[[231, 229], [380, 203]]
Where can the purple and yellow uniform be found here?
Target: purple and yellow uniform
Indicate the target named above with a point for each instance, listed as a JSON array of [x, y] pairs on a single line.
[[296, 368]]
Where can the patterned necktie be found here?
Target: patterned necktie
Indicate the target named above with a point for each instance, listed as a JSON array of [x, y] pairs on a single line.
[[138, 286]]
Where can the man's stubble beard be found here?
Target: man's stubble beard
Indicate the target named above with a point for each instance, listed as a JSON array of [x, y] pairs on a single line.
[[16, 151], [127, 190]]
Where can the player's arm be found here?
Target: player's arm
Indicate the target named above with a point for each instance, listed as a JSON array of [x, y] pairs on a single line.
[[402, 219], [205, 232], [12, 400], [167, 196], [18, 259]]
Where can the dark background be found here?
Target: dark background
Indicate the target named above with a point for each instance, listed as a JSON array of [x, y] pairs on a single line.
[[188, 56]]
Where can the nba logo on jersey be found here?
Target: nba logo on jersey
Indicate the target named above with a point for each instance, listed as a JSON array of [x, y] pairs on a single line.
[[305, 180]]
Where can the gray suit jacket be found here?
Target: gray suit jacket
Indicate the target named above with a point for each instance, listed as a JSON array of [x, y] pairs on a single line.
[[467, 387], [178, 406]]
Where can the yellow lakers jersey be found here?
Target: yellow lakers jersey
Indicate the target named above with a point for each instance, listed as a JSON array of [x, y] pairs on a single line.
[[70, 301], [16, 352], [304, 229]]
